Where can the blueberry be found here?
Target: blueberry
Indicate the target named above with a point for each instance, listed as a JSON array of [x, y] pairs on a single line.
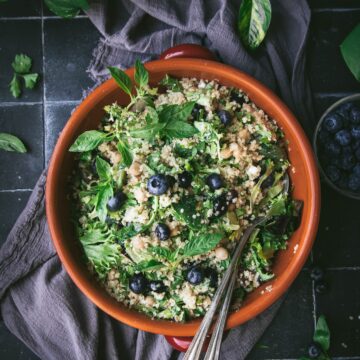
[[115, 202], [157, 286], [324, 136], [314, 351], [138, 284], [268, 181], [158, 184], [237, 97], [317, 273], [214, 181], [171, 180], [231, 196], [331, 148], [355, 145], [344, 110], [343, 137], [185, 179], [332, 173], [213, 277], [195, 275], [357, 153], [354, 182], [347, 162], [355, 114], [162, 231], [355, 132], [196, 110], [225, 117], [356, 169], [321, 287], [220, 205], [333, 123]]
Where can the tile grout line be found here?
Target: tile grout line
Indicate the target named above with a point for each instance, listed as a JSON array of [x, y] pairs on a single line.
[[44, 86], [314, 303], [49, 102]]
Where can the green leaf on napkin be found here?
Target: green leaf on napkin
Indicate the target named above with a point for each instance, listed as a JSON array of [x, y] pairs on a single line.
[[350, 50]]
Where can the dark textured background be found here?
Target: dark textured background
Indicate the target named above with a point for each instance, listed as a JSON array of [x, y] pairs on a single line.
[[61, 51]]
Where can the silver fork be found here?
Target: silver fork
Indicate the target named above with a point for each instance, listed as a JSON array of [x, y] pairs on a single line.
[[226, 285]]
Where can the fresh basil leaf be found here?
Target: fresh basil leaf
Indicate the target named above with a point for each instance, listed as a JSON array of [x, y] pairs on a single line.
[[30, 80], [126, 232], [105, 192], [88, 140], [126, 155], [10, 142], [161, 252], [103, 168], [147, 132], [175, 113], [253, 21], [179, 130], [171, 83], [201, 244], [322, 334], [66, 8], [22, 64], [15, 86], [121, 78], [350, 50], [149, 265], [141, 74], [185, 210]]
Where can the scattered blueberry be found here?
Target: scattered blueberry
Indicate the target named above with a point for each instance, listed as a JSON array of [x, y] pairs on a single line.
[[321, 287], [314, 351], [185, 179], [332, 173], [158, 184], [231, 196], [344, 110], [355, 132], [195, 275], [347, 162], [213, 277], [196, 110], [115, 202], [215, 181], [332, 148], [235, 96], [355, 114], [333, 123], [343, 137], [324, 136], [357, 153], [354, 182], [157, 286], [225, 117], [220, 205], [162, 231], [171, 180], [138, 283], [317, 273]]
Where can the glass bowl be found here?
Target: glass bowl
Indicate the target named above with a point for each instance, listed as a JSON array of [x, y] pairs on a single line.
[[354, 99]]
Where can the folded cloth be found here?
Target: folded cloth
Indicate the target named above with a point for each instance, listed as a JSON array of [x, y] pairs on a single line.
[[39, 302]]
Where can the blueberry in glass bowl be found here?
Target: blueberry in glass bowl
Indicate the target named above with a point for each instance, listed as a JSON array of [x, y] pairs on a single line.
[[337, 146]]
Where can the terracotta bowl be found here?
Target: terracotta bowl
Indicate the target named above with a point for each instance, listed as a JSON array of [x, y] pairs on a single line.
[[304, 176]]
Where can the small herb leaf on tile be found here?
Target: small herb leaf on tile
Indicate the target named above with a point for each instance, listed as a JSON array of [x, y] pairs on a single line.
[[30, 80], [22, 64], [66, 8], [121, 78], [350, 50], [253, 21], [10, 142], [15, 86], [322, 334]]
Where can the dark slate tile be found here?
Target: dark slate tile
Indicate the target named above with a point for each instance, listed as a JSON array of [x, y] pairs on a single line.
[[68, 51], [341, 307], [283, 339], [333, 4], [20, 171], [12, 348], [20, 8], [15, 203], [20, 37], [337, 242], [328, 71], [56, 116]]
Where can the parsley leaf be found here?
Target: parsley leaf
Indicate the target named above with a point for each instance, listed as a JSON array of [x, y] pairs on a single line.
[[10, 142], [22, 64], [15, 86], [322, 334], [162, 252], [126, 155], [201, 244], [121, 78], [141, 74], [30, 80], [66, 8], [88, 140]]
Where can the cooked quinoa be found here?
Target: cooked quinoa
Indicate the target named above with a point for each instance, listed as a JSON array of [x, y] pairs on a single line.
[[165, 188]]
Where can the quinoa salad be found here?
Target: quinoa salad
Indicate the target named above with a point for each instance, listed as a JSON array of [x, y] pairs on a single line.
[[166, 186]]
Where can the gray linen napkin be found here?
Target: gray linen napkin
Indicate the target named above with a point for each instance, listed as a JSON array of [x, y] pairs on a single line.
[[39, 302]]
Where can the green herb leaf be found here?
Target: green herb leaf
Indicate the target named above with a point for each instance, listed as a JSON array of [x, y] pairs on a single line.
[[121, 78], [179, 130], [10, 142], [350, 50], [185, 209], [162, 252], [277, 206], [66, 8], [141, 74], [149, 265], [30, 80], [173, 113], [103, 168], [201, 244], [22, 64], [126, 233], [88, 140], [253, 21], [15, 86], [171, 83], [125, 152], [322, 334], [105, 192], [147, 132]]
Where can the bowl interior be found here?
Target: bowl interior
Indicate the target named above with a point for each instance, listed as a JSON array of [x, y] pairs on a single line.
[[303, 174]]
